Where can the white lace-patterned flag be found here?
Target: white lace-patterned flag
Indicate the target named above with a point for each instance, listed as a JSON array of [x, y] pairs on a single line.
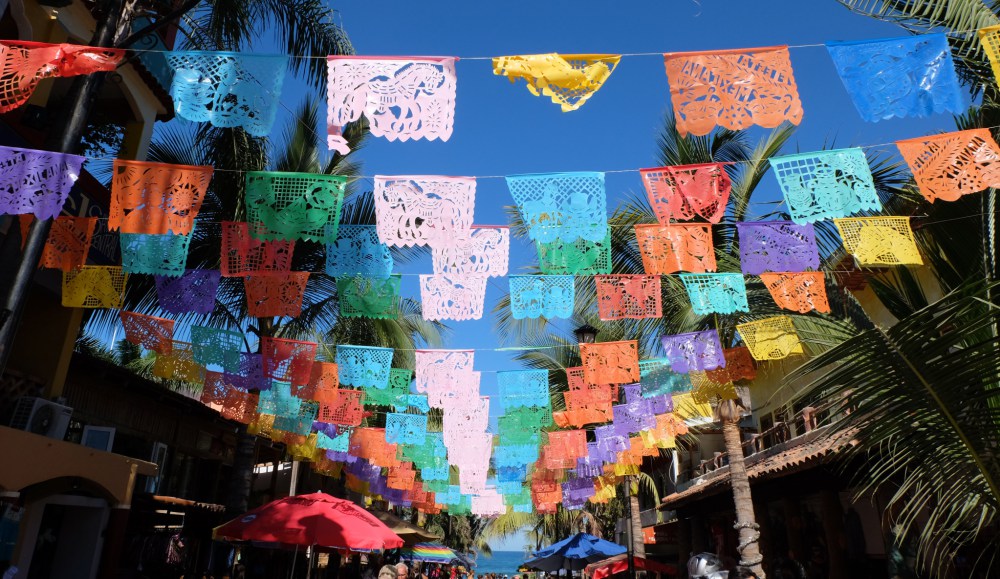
[[424, 210]]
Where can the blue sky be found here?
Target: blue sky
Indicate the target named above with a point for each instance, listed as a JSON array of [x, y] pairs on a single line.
[[502, 129]]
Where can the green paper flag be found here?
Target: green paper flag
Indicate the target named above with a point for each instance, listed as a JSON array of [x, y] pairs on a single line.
[[369, 297], [294, 205]]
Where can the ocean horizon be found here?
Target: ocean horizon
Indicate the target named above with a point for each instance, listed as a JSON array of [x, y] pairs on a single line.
[[501, 562]]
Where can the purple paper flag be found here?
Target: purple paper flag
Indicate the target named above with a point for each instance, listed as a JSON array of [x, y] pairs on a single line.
[[694, 351], [193, 292], [36, 182]]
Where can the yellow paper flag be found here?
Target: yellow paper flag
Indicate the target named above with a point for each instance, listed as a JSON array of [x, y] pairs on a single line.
[[568, 79], [879, 240]]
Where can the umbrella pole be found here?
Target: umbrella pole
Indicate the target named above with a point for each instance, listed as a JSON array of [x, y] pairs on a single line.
[[295, 556], [309, 567]]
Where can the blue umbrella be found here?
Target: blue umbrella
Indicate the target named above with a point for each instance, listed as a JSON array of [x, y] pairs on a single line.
[[574, 553]]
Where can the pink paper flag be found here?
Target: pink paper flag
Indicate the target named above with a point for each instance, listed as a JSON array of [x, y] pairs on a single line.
[[424, 210], [452, 297], [403, 97]]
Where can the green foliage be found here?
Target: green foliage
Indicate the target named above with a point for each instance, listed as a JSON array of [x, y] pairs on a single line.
[[921, 402]]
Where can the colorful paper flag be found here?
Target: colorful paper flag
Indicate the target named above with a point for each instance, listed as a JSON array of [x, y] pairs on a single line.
[[568, 79]]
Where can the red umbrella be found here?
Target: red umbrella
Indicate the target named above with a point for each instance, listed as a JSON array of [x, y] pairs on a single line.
[[312, 520]]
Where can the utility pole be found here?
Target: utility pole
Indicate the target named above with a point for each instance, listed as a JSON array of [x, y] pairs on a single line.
[[72, 119]]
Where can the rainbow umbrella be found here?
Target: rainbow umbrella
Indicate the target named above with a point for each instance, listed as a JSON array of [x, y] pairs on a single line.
[[428, 553]]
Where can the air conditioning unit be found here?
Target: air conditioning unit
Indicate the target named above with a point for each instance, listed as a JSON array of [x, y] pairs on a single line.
[[41, 416]]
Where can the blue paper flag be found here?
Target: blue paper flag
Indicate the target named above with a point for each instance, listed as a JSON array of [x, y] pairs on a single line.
[[719, 293], [534, 296], [228, 89], [564, 206], [911, 76], [358, 251], [826, 184], [364, 366]]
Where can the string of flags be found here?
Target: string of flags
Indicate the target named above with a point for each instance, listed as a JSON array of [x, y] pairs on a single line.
[[635, 406]]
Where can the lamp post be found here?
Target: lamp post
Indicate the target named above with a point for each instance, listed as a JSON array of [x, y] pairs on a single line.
[[587, 334]]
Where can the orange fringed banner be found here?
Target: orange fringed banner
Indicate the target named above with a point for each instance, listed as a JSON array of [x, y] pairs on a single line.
[[676, 247], [323, 384], [610, 362], [951, 165], [739, 366], [798, 291], [343, 407], [240, 406], [621, 297], [370, 444], [270, 296], [154, 334], [733, 89], [564, 448], [156, 198], [26, 63], [68, 243]]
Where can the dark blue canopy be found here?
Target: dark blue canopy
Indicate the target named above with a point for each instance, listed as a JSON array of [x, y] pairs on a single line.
[[574, 553]]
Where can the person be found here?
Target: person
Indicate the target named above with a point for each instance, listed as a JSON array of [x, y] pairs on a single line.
[[373, 571], [402, 571], [744, 573], [388, 572]]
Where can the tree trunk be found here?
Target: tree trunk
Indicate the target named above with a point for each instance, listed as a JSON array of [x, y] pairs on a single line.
[[746, 523], [635, 519]]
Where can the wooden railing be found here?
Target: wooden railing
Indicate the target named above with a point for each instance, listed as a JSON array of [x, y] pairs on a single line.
[[808, 419]]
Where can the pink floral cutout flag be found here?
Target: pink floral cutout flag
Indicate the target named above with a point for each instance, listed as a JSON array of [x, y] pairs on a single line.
[[452, 297], [424, 210], [403, 98]]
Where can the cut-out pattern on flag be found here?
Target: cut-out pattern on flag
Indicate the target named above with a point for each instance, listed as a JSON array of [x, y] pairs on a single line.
[[523, 388], [707, 390], [301, 422], [250, 375], [36, 182], [685, 191], [568, 79], [216, 347], [240, 406], [799, 292], [580, 257], [294, 205], [364, 366], [610, 362], [323, 381], [739, 366], [150, 332], [156, 198], [693, 351], [94, 286], [424, 210], [826, 184], [26, 63], [345, 407], [564, 448], [192, 292], [484, 252], [950, 165], [733, 89], [271, 296], [228, 89], [403, 98], [562, 206], [771, 338], [534, 296], [244, 254], [453, 297], [989, 37], [777, 246], [358, 251], [68, 243], [405, 428], [910, 76], [437, 370], [164, 255], [179, 365], [879, 240], [369, 297], [676, 247], [288, 360], [720, 293], [395, 392], [656, 378], [633, 417], [215, 390], [628, 297]]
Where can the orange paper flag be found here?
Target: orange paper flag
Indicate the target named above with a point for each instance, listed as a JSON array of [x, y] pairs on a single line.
[[676, 247], [156, 198], [950, 165], [798, 291]]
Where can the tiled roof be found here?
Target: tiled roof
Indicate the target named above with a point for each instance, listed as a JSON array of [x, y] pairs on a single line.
[[798, 454]]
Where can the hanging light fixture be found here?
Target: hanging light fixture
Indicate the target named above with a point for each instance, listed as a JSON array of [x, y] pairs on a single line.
[[586, 334]]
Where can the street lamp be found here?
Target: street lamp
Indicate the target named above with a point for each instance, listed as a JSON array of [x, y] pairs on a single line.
[[586, 334]]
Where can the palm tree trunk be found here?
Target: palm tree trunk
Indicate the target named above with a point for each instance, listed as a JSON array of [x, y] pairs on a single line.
[[241, 480], [746, 522], [635, 519]]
